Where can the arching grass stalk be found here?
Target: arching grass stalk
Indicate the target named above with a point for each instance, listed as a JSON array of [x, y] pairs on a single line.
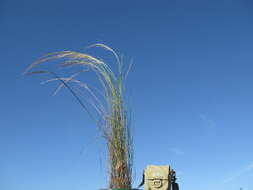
[[112, 114]]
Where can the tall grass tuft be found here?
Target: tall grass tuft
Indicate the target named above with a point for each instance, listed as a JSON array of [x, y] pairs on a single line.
[[112, 115]]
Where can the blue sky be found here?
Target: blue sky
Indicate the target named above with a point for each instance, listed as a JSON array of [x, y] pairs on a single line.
[[190, 91]]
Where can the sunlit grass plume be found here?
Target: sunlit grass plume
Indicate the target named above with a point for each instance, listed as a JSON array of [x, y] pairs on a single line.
[[112, 116]]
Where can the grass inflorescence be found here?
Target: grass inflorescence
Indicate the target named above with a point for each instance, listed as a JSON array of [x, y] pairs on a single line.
[[112, 120]]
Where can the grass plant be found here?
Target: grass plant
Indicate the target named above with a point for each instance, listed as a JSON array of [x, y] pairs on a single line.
[[112, 115]]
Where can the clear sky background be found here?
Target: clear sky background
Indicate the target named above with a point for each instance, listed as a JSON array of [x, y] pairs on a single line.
[[190, 91]]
